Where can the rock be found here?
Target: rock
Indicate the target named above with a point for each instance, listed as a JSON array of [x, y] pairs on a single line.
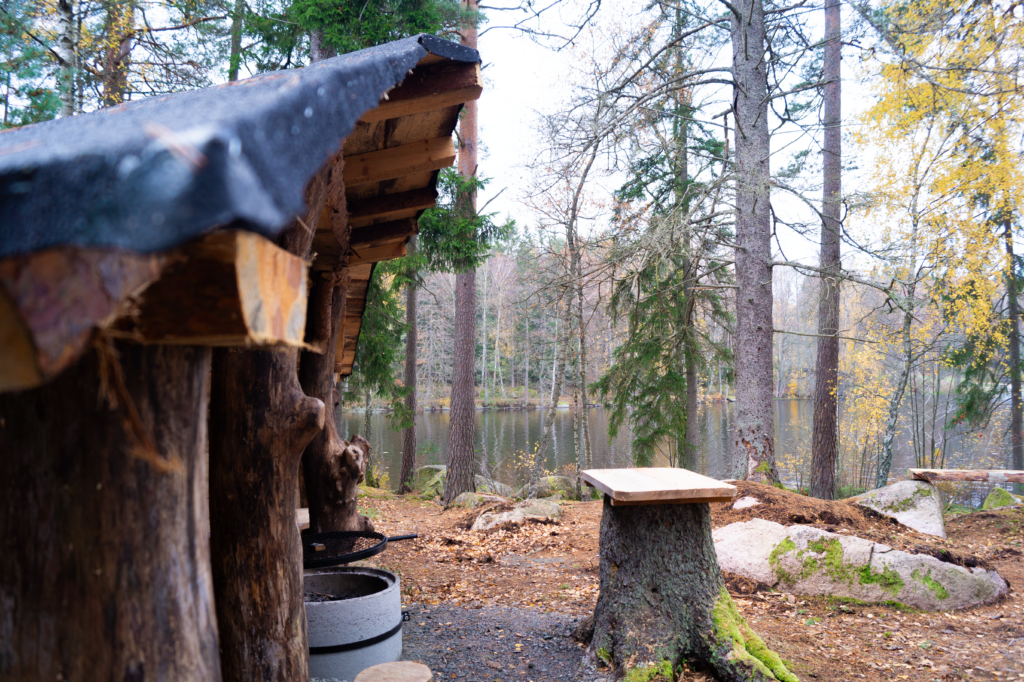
[[915, 504], [999, 498], [745, 502], [426, 474], [809, 561], [549, 486], [492, 487], [535, 509], [474, 500]]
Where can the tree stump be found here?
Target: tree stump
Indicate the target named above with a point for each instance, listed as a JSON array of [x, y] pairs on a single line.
[[105, 567], [663, 597], [260, 422]]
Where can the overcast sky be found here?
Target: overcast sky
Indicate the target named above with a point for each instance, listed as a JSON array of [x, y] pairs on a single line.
[[522, 78]]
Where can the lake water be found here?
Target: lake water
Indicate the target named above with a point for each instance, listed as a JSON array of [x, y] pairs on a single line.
[[505, 439]]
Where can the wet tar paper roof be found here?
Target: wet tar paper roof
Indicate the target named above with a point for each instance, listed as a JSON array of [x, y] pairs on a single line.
[[148, 175]]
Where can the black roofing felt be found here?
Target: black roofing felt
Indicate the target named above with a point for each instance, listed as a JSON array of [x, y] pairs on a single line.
[[148, 175]]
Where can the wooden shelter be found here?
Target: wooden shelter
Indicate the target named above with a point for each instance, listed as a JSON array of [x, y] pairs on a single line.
[[245, 217]]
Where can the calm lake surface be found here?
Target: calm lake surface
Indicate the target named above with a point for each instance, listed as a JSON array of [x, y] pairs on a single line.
[[504, 440]]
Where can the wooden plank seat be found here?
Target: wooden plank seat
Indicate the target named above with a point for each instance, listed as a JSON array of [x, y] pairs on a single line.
[[977, 475], [657, 485], [399, 671]]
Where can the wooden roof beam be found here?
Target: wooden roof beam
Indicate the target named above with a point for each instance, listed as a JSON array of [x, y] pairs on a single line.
[[429, 88], [363, 212], [382, 234], [51, 301], [227, 289], [388, 164]]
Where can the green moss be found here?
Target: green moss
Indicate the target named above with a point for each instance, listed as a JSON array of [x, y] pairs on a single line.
[[907, 503], [889, 580], [747, 648], [999, 497], [763, 468], [931, 583], [650, 673], [850, 601], [826, 555], [604, 656], [787, 545]]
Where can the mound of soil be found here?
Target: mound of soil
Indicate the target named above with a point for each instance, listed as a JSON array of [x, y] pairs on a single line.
[[789, 508]]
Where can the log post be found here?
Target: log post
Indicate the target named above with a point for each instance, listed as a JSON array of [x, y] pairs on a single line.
[[332, 468], [105, 568], [260, 422]]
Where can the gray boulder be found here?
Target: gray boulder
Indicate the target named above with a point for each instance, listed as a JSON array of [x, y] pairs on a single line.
[[474, 500], [536, 509], [492, 487], [915, 504], [430, 479], [562, 487], [428, 476], [807, 560]]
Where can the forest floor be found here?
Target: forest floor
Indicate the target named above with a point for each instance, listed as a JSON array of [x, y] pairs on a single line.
[[501, 605]]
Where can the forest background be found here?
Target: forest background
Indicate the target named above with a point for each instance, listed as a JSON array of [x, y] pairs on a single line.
[[617, 284]]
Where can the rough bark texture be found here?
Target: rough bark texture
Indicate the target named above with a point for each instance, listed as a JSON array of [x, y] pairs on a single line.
[[332, 468], [260, 422], [1016, 403], [755, 418], [663, 598], [105, 568], [411, 338], [462, 419], [825, 437]]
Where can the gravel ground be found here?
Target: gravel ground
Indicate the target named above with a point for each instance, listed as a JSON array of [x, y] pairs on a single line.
[[495, 644]]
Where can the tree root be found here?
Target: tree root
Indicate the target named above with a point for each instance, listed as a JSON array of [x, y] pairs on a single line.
[[738, 652]]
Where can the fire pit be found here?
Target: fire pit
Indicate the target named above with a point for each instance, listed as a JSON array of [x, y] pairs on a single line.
[[354, 617]]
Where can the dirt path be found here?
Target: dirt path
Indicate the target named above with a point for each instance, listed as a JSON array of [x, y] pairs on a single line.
[[537, 579]]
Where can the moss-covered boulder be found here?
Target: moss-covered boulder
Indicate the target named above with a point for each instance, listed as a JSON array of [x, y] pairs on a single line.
[[474, 500], [528, 509], [999, 498], [562, 487], [915, 504], [811, 561], [429, 477], [492, 487]]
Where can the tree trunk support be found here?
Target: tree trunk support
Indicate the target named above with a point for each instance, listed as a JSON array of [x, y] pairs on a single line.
[[105, 570], [663, 597]]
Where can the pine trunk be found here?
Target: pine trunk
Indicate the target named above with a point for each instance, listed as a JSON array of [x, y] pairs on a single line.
[[755, 418], [1016, 403], [462, 418], [105, 572], [825, 438], [662, 596], [411, 340]]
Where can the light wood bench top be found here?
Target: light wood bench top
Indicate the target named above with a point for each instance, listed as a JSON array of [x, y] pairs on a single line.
[[657, 485], [985, 475], [399, 671], [302, 518]]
